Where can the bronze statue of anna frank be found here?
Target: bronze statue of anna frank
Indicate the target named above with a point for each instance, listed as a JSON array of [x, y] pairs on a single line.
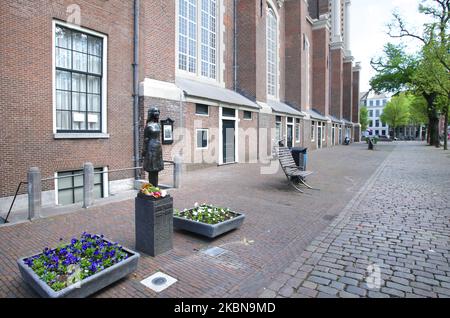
[[152, 150]]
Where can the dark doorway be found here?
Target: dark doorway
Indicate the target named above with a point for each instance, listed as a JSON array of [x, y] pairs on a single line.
[[229, 147], [290, 132]]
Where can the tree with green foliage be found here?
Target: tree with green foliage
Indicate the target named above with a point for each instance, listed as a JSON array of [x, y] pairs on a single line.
[[417, 110], [435, 60], [396, 112], [364, 118]]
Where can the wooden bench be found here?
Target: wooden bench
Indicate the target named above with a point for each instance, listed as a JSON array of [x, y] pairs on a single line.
[[295, 174]]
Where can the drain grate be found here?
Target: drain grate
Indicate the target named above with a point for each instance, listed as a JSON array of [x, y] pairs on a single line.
[[214, 251], [158, 282]]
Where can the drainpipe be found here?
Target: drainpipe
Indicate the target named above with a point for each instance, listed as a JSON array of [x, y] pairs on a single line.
[[234, 45], [136, 88]]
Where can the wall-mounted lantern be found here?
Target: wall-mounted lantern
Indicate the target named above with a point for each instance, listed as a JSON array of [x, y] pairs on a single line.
[[167, 131]]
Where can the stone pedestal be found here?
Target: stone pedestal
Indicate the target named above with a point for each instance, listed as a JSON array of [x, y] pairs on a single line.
[[154, 225]]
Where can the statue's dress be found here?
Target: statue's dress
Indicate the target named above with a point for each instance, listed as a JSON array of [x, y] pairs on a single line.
[[153, 160]]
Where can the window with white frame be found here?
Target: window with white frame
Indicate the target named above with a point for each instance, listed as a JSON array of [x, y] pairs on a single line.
[[313, 131], [272, 53], [278, 128], [323, 132], [297, 130], [79, 77], [197, 37], [202, 138], [201, 109]]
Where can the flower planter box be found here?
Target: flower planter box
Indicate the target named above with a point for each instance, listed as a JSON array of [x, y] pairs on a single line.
[[85, 287], [208, 230]]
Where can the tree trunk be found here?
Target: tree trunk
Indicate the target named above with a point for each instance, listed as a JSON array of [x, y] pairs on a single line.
[[446, 129], [433, 119]]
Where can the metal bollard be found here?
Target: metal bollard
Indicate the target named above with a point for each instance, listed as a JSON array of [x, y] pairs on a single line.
[[34, 193], [177, 171], [88, 185]]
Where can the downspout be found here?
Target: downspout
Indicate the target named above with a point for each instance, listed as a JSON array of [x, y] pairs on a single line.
[[136, 88], [235, 45]]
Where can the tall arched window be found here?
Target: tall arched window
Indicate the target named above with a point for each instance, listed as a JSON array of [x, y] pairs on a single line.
[[272, 53], [198, 37]]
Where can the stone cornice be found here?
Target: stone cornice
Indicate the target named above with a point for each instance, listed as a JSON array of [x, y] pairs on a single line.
[[349, 59], [322, 22], [357, 67], [337, 45]]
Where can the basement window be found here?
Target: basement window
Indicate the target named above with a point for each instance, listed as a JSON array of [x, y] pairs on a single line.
[[70, 189]]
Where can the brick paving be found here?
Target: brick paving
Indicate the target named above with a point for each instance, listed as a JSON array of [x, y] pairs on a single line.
[[397, 225], [279, 225]]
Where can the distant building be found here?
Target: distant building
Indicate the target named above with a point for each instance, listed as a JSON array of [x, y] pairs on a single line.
[[375, 105]]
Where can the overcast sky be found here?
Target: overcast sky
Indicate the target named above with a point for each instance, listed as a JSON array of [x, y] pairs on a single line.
[[369, 31]]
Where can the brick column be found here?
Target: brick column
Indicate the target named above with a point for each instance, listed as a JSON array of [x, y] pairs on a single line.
[[251, 46], [347, 94], [321, 75], [337, 65]]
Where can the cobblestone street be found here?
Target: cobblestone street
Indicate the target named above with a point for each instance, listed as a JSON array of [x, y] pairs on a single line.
[[387, 208], [397, 226]]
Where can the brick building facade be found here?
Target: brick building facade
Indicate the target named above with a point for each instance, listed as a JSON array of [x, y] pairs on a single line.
[[235, 76]]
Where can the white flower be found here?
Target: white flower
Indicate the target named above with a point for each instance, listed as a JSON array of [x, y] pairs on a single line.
[[196, 204], [163, 193]]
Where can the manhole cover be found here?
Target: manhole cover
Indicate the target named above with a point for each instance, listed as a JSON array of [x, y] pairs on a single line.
[[214, 251], [158, 281]]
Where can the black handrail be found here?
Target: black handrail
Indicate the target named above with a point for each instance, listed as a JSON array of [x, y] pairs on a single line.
[[14, 199], [70, 176]]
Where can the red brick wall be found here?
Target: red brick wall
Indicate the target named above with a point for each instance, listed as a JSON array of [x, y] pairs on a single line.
[[324, 6], [157, 32], [246, 43], [294, 52], [317, 8], [248, 138], [251, 28], [355, 91], [336, 60], [297, 27], [347, 97], [228, 41], [321, 73], [26, 90]]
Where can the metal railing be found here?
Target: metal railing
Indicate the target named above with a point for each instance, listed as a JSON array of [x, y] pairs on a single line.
[[14, 200], [34, 183]]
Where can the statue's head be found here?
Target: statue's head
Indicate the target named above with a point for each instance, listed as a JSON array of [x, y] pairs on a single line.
[[153, 114]]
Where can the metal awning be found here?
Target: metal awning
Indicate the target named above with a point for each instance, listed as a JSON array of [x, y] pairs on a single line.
[[334, 119], [212, 92], [316, 115], [283, 108], [347, 122]]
